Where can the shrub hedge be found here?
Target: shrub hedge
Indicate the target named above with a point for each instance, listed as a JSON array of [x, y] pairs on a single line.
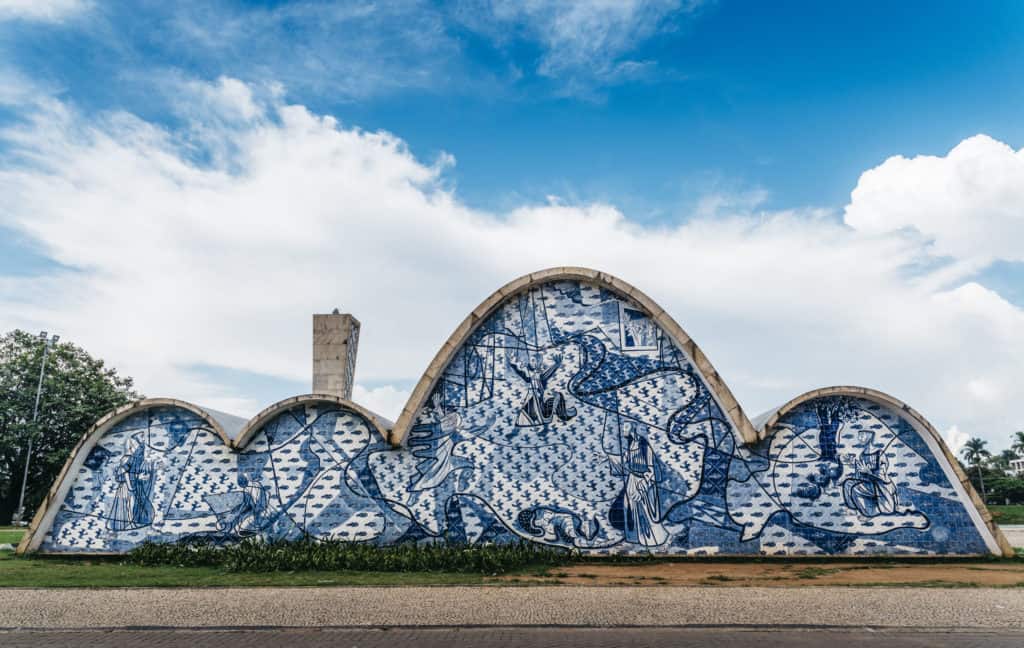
[[253, 555]]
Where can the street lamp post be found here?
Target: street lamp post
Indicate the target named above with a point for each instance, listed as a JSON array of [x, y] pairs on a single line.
[[47, 342]]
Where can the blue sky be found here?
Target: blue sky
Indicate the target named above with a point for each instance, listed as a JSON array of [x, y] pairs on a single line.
[[793, 98], [668, 112]]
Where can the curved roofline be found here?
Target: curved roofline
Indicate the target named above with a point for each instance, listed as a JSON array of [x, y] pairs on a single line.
[[764, 426], [256, 423], [920, 422], [730, 406], [43, 520]]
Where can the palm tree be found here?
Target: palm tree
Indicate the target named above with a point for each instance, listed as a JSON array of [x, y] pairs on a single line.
[[1018, 443], [975, 454]]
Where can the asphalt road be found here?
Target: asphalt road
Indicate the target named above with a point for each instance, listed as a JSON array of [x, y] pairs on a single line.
[[515, 638]]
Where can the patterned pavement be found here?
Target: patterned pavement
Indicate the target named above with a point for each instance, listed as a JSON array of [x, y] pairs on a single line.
[[879, 607], [515, 638]]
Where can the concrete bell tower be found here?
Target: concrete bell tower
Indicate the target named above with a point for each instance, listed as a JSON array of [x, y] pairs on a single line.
[[335, 344]]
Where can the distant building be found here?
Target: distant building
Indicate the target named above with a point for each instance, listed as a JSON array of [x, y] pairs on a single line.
[[1017, 466]]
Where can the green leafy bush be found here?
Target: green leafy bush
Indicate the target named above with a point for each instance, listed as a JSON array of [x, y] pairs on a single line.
[[331, 555]]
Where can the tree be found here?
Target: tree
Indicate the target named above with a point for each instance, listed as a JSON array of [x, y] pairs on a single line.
[[831, 413], [77, 390], [975, 454], [1002, 460], [1018, 443], [1006, 489]]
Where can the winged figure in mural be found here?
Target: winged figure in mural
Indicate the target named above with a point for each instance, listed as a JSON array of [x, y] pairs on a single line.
[[538, 408], [434, 444]]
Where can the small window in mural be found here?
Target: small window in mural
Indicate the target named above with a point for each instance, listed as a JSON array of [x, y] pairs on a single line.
[[637, 330]]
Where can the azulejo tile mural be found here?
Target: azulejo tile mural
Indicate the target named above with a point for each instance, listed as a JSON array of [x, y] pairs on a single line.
[[848, 475], [163, 475], [568, 417]]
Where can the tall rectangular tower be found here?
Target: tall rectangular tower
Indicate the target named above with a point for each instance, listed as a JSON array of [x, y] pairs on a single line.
[[335, 344]]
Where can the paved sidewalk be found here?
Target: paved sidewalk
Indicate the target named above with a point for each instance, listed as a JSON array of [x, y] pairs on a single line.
[[513, 606], [1014, 534], [515, 638]]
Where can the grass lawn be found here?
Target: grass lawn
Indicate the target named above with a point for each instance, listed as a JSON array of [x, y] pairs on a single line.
[[11, 535], [103, 572], [1013, 514]]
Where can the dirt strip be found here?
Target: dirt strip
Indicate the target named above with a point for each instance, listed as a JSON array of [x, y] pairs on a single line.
[[787, 574]]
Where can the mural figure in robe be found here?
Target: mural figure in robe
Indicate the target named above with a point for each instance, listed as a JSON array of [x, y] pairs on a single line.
[[637, 510], [131, 507], [435, 443], [869, 490], [537, 408]]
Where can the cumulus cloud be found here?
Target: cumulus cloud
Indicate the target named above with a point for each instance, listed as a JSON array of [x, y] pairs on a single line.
[[211, 245], [956, 439], [227, 98], [42, 10], [969, 204], [387, 399]]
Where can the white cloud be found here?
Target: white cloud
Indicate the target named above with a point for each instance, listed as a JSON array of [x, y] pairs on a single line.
[[15, 89], [349, 50], [955, 439], [584, 43], [969, 203], [42, 10], [226, 97], [385, 399], [220, 262], [337, 48]]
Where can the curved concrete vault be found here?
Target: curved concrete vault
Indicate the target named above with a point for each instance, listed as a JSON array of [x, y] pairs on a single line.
[[661, 318], [568, 409]]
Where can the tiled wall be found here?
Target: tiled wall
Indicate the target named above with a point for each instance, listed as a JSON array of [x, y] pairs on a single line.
[[567, 418]]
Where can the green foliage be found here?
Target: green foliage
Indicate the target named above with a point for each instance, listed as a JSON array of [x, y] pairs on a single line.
[[1017, 441], [808, 573], [331, 555], [995, 483], [975, 454], [77, 390], [974, 451], [1002, 460], [1004, 488]]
